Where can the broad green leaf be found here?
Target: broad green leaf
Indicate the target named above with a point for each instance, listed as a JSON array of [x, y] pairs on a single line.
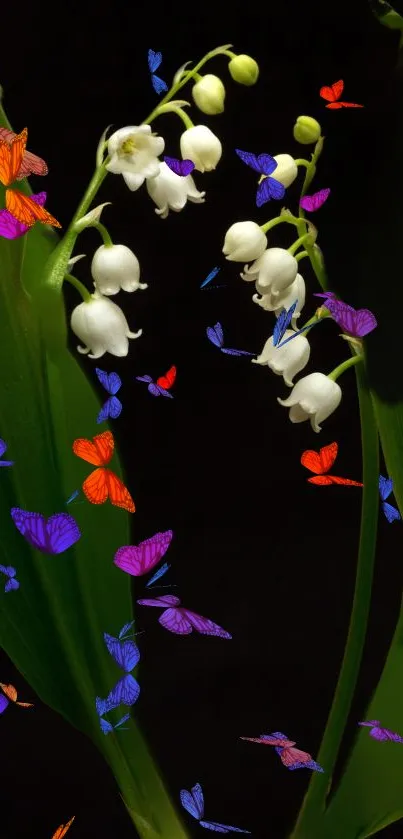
[[52, 627]]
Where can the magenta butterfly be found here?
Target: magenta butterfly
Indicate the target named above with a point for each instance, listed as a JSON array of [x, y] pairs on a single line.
[[51, 536], [356, 322], [193, 802], [290, 757], [380, 733], [10, 228], [180, 167], [314, 202], [138, 560], [182, 621]]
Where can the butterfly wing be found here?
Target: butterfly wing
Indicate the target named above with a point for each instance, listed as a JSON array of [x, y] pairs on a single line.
[[210, 277], [106, 726], [154, 389], [158, 84], [154, 60], [140, 559], [328, 480], [10, 691], [176, 621], [4, 703], [126, 654], [320, 462], [311, 203], [31, 164], [180, 167], [222, 828], [158, 574], [269, 189], [144, 378], [11, 155], [385, 487], [204, 625], [283, 321], [365, 322], [27, 211], [167, 381], [332, 93], [215, 335], [62, 830], [11, 585], [191, 803], [98, 452], [63, 532], [119, 495], [95, 487], [126, 691], [262, 163], [33, 527], [162, 601], [110, 381], [110, 410], [391, 513], [228, 351]]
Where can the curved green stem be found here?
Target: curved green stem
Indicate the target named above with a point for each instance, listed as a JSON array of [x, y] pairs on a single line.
[[104, 233], [316, 261], [355, 359], [308, 823], [85, 294]]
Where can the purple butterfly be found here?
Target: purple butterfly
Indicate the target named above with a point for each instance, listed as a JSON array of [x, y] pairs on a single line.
[[113, 406], [126, 654], [216, 336], [10, 228], [140, 559], [193, 802], [265, 165], [380, 733], [314, 202], [290, 757], [182, 621], [107, 727], [385, 488], [51, 536], [3, 448], [11, 584], [154, 61], [283, 321], [356, 322], [162, 385], [180, 167]]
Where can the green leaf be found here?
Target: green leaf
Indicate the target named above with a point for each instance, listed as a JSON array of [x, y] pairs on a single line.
[[52, 627]]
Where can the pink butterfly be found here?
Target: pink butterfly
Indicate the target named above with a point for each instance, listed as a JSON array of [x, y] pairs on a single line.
[[140, 559], [311, 203], [182, 621], [290, 757]]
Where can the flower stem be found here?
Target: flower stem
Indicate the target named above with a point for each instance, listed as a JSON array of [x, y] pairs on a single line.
[[302, 240], [313, 252], [85, 294], [355, 359], [287, 217], [301, 255], [308, 822], [104, 233]]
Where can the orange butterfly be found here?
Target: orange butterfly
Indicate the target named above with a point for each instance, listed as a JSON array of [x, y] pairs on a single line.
[[62, 830], [102, 483], [332, 95], [320, 462], [11, 695], [23, 208], [31, 164]]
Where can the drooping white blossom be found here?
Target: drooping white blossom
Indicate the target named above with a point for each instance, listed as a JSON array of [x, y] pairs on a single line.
[[200, 145], [244, 240], [170, 191], [116, 267], [102, 327], [285, 361], [313, 398]]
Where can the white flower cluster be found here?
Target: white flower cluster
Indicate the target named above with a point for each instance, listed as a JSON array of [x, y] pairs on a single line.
[[278, 285]]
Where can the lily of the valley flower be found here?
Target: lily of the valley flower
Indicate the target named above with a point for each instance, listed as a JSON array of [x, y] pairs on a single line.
[[286, 170], [273, 271], [244, 69], [276, 303], [244, 240], [134, 154], [314, 397], [285, 361], [102, 326], [116, 267], [200, 145], [170, 191], [209, 94]]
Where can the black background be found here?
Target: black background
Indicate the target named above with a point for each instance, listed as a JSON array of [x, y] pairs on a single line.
[[256, 548]]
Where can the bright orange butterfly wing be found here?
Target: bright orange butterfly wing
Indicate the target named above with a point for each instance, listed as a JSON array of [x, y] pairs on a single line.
[[332, 93], [62, 830], [167, 380], [320, 462], [103, 484], [31, 164], [11, 157], [327, 480], [26, 210], [98, 452], [11, 693]]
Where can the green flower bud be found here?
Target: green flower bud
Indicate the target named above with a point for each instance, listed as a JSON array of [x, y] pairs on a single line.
[[209, 94], [306, 130], [244, 69]]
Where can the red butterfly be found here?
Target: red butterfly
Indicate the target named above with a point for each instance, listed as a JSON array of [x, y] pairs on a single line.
[[320, 462], [162, 385], [332, 95]]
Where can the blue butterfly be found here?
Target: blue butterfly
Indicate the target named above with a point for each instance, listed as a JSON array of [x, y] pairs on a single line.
[[264, 164], [385, 488], [113, 406], [193, 802], [107, 727], [10, 572], [283, 321], [154, 61], [210, 277], [216, 336], [159, 573], [126, 655]]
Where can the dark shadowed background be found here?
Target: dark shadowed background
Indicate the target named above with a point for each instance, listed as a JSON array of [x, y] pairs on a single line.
[[256, 548]]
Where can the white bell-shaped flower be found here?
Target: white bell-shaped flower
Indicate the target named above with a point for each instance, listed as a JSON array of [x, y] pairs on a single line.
[[294, 292], [200, 145], [116, 267], [244, 240], [133, 153], [286, 170], [209, 94], [285, 361], [273, 271], [102, 327], [170, 191], [314, 397]]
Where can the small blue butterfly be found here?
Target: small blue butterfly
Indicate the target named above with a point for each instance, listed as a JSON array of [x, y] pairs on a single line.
[[264, 164], [159, 573], [154, 61], [113, 406], [385, 488], [210, 277], [107, 727], [10, 572], [283, 321]]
